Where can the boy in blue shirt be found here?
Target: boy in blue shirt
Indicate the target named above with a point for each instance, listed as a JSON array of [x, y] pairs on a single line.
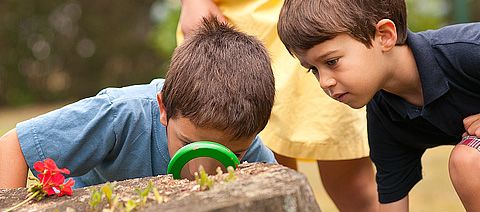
[[219, 87], [421, 89]]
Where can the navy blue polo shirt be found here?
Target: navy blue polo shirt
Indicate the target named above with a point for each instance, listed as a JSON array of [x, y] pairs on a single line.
[[448, 62]]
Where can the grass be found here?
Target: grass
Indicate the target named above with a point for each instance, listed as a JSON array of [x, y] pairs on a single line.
[[433, 193]]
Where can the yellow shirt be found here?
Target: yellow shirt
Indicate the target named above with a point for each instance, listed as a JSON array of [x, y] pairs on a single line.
[[305, 122]]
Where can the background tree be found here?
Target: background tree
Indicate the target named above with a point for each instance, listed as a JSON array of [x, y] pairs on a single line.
[[54, 49], [69, 49]]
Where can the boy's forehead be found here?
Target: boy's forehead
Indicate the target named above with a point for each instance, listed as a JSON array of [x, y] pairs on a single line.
[[300, 55]]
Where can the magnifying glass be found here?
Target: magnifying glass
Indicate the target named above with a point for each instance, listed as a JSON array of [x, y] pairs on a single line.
[[201, 149]]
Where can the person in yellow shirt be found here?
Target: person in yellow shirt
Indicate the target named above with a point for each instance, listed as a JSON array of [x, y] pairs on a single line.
[[305, 123]]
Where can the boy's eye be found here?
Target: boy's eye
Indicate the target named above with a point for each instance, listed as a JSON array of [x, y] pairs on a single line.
[[332, 62], [313, 70]]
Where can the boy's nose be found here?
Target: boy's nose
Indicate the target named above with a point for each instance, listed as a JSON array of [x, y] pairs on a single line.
[[326, 82]]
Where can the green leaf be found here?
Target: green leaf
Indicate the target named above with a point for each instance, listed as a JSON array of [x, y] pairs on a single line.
[[95, 197], [158, 197], [107, 189], [130, 205]]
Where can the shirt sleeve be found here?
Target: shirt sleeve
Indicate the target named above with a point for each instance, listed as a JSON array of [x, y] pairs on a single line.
[[77, 137], [462, 53], [398, 166], [258, 152]]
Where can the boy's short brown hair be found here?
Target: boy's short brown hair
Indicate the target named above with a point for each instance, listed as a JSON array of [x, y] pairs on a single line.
[[222, 79], [305, 23]]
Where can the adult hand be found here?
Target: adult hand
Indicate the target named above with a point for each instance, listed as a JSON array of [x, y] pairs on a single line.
[[194, 10], [472, 125]]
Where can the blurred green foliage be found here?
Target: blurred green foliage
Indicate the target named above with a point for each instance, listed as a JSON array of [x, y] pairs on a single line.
[[69, 49], [426, 14], [433, 14]]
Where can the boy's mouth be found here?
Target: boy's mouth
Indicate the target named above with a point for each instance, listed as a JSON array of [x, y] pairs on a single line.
[[339, 96]]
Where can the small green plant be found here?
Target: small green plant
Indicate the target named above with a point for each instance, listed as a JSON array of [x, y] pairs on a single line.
[[143, 193], [203, 180], [112, 199], [95, 197], [143, 197], [231, 175], [158, 197], [130, 205], [114, 203]]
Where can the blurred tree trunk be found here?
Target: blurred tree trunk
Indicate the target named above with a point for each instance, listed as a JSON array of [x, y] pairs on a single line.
[[475, 10]]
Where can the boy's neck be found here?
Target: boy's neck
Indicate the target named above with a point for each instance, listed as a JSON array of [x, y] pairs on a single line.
[[404, 80]]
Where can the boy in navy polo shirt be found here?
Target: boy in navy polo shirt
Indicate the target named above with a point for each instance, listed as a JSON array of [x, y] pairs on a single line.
[[219, 87], [421, 89]]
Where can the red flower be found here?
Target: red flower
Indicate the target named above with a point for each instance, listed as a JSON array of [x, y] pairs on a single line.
[[52, 179], [48, 165], [66, 189], [50, 182]]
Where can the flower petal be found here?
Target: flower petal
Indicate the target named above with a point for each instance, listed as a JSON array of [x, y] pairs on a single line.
[[39, 166]]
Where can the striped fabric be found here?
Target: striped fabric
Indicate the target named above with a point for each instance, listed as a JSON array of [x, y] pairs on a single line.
[[471, 141]]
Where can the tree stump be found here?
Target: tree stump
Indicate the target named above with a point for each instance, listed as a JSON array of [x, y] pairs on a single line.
[[258, 187]]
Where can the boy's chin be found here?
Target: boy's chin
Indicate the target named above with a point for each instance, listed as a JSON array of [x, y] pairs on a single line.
[[356, 105]]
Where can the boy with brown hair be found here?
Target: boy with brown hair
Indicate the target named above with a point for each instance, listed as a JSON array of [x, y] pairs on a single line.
[[219, 87], [421, 89], [298, 130]]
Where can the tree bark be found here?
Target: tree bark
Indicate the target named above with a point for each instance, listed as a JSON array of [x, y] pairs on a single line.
[[258, 187]]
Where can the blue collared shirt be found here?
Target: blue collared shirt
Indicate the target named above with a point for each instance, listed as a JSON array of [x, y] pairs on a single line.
[[114, 135], [448, 62]]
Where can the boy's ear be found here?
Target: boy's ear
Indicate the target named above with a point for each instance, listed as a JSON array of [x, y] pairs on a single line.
[[163, 111], [386, 34]]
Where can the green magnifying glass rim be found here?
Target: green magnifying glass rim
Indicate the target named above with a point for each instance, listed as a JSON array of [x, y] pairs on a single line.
[[201, 149]]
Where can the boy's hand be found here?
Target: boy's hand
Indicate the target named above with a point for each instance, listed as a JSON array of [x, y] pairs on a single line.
[[472, 125], [194, 10]]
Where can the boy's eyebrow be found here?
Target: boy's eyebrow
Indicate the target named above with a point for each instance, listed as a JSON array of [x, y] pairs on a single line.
[[184, 138], [321, 57]]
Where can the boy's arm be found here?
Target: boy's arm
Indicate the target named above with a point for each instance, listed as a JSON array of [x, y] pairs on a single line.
[[13, 168], [398, 206], [194, 10]]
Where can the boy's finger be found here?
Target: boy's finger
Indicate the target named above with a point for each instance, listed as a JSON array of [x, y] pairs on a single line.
[[469, 120], [474, 128]]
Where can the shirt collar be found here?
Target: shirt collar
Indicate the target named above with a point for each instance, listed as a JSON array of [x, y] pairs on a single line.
[[434, 83]]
